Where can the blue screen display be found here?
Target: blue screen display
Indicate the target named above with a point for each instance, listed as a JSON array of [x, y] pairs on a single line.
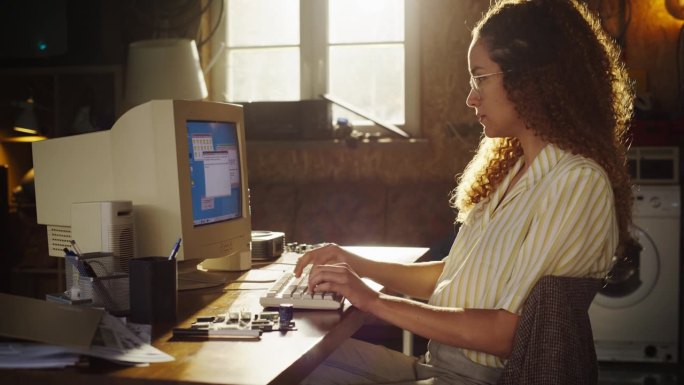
[[214, 171]]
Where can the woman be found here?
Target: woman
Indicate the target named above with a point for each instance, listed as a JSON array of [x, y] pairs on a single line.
[[546, 194]]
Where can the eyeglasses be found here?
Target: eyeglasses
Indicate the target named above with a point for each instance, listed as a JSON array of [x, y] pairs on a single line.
[[476, 80]]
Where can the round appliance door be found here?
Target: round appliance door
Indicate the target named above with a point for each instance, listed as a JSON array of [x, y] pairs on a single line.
[[633, 279]]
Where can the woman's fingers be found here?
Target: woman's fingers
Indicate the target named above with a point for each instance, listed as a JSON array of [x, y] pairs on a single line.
[[341, 279], [302, 262], [339, 274], [328, 253]]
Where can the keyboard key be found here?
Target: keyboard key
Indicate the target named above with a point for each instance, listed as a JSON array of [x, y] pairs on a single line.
[[290, 289]]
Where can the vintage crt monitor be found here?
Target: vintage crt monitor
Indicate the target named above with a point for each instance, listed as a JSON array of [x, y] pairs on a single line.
[[181, 163]]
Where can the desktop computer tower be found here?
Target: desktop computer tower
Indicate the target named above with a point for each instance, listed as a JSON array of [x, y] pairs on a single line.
[[105, 226]]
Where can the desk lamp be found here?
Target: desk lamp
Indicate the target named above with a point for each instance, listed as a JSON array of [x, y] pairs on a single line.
[[163, 69], [675, 8], [26, 128]]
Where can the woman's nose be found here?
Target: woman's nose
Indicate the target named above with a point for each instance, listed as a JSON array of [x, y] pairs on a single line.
[[472, 99]]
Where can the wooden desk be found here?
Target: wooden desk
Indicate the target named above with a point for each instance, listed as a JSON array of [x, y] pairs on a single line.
[[278, 358]]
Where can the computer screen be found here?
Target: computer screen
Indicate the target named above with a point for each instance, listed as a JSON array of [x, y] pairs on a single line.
[[214, 171], [183, 166]]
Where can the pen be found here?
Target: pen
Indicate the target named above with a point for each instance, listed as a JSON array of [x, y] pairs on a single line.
[[83, 267], [174, 251], [76, 248]]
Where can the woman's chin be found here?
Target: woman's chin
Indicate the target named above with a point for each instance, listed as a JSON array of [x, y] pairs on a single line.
[[490, 132]]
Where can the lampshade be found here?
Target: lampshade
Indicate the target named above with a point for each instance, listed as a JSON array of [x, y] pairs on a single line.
[[26, 128], [675, 8], [26, 121], [163, 69]]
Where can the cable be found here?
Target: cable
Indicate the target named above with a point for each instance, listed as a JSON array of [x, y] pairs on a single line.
[[680, 52], [180, 10], [627, 6], [219, 19], [189, 19], [166, 20], [624, 14]]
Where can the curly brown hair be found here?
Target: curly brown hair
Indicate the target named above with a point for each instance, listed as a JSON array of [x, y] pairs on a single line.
[[567, 82]]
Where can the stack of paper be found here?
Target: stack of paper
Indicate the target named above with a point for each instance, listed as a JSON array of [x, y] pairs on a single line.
[[26, 355], [60, 333]]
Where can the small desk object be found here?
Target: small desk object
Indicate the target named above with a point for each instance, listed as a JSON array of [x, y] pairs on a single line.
[[276, 358]]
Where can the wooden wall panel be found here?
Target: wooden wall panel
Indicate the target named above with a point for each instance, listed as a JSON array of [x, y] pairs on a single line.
[[651, 46]]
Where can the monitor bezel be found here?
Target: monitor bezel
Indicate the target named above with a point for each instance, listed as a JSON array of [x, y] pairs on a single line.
[[211, 234]]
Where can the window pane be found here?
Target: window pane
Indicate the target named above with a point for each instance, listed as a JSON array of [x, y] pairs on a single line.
[[355, 21], [263, 74], [263, 22], [370, 77]]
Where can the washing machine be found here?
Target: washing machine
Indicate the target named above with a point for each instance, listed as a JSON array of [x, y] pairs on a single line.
[[635, 317]]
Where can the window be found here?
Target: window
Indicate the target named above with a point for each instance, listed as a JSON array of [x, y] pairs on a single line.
[[362, 52]]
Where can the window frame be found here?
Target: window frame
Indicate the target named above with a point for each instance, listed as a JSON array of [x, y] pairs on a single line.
[[313, 45]]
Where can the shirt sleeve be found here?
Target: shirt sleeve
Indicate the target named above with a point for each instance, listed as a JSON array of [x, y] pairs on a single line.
[[573, 233]]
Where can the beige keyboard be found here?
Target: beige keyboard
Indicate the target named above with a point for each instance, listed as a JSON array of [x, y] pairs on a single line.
[[293, 290]]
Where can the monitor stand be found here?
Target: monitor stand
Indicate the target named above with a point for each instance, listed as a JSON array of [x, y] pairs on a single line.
[[190, 277]]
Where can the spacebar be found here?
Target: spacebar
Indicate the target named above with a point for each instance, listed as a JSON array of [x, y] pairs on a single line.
[[298, 303]]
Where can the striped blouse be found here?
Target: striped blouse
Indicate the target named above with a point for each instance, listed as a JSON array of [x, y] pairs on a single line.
[[558, 219]]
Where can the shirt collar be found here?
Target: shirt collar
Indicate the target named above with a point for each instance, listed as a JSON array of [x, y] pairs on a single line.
[[542, 164]]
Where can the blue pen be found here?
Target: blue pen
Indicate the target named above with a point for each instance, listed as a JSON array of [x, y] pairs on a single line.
[[174, 251]]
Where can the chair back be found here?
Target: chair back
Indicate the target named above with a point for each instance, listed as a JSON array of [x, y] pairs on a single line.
[[554, 343]]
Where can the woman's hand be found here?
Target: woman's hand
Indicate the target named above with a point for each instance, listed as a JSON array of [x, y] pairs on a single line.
[[341, 278], [328, 254], [336, 270]]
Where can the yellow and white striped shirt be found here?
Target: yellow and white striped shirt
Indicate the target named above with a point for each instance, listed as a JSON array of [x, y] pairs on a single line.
[[558, 219]]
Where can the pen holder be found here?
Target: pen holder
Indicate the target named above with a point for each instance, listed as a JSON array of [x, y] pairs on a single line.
[[110, 292], [96, 279], [153, 287], [79, 267]]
